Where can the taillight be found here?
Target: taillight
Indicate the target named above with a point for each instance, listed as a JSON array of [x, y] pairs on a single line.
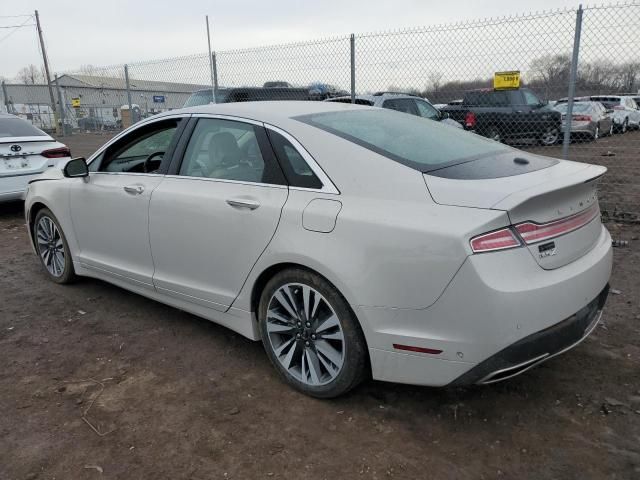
[[470, 120], [582, 118], [534, 232], [56, 152], [492, 241]]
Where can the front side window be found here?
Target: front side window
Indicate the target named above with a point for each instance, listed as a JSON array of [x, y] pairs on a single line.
[[427, 111], [228, 150], [404, 105], [413, 141], [141, 150]]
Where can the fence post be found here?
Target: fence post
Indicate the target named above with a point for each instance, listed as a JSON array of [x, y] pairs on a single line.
[[572, 84], [353, 68], [5, 96], [126, 81], [215, 72], [61, 105]]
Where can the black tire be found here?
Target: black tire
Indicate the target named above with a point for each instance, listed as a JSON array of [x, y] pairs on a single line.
[[550, 136], [624, 127], [492, 132], [355, 361], [68, 273]]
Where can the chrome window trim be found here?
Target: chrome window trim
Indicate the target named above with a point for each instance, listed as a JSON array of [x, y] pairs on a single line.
[[224, 180], [327, 185], [131, 129], [231, 118]]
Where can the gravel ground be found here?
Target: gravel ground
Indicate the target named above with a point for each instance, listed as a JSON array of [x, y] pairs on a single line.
[[101, 383]]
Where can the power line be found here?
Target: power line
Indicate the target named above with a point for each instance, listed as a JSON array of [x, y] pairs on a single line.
[[16, 16], [18, 26], [15, 29]]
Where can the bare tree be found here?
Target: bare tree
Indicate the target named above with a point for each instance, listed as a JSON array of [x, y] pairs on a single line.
[[31, 75], [550, 73]]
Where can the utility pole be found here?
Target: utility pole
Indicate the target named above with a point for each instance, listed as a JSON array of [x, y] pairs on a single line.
[[46, 71]]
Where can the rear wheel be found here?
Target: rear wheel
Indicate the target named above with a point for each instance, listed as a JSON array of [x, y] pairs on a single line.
[[550, 136], [311, 335], [624, 127], [52, 247]]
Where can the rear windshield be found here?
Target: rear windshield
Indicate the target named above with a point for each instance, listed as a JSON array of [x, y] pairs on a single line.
[[577, 107], [16, 127], [359, 101], [204, 97], [608, 102], [414, 141], [487, 98]]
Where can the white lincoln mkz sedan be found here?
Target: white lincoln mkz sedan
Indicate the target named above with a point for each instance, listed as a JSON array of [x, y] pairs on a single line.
[[352, 241]]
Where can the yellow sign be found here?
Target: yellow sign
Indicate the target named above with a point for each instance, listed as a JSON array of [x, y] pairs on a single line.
[[75, 102], [506, 80]]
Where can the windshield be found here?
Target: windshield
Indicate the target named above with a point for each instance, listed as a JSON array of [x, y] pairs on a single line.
[[16, 127], [414, 141]]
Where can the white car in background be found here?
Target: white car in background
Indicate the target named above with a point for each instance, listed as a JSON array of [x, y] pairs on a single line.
[[25, 152], [625, 111], [401, 102], [353, 241]]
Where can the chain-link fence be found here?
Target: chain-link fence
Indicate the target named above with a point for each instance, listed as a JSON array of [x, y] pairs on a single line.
[[576, 64]]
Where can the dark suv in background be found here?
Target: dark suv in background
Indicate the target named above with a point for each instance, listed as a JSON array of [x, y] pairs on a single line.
[[507, 115]]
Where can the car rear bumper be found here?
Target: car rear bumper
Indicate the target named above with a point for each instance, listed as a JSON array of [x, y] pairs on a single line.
[[494, 302], [14, 187], [538, 347]]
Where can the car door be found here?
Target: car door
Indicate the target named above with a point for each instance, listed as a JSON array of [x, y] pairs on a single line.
[[215, 212], [110, 208]]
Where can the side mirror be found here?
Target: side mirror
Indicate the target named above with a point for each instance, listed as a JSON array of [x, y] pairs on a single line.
[[76, 168], [444, 115], [609, 110]]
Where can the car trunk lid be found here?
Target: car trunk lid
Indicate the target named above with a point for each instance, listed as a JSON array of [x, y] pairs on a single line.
[[557, 200], [22, 155]]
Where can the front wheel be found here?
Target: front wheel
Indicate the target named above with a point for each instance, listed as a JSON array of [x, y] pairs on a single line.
[[311, 335], [550, 136], [493, 133], [52, 247]]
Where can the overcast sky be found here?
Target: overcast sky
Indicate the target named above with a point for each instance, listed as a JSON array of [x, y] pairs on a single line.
[[119, 31]]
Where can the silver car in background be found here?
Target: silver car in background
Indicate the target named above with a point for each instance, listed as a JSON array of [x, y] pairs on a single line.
[[589, 119], [352, 241], [625, 111], [401, 102]]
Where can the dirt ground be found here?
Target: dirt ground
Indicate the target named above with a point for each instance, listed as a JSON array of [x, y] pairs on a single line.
[[99, 383]]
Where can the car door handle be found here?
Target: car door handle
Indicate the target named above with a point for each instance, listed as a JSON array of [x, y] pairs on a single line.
[[134, 189], [243, 203]]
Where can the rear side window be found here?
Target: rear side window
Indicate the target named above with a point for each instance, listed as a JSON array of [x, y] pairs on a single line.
[[295, 167], [414, 141], [359, 101], [16, 127]]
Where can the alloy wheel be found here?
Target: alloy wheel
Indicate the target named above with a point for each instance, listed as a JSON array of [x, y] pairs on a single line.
[[305, 334], [50, 246], [550, 136]]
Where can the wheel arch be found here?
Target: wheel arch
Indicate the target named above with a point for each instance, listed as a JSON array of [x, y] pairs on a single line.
[[32, 213], [269, 272]]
